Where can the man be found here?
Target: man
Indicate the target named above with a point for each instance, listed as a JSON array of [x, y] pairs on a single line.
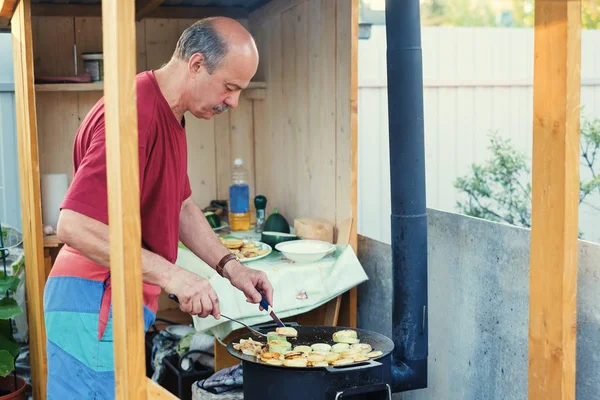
[[213, 61]]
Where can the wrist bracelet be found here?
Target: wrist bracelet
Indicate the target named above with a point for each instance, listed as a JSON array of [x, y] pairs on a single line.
[[224, 261]]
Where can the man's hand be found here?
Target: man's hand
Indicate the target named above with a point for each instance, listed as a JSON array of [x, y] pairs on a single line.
[[249, 281], [195, 294], [197, 235]]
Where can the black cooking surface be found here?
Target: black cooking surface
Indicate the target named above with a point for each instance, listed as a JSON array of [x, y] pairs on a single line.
[[308, 335]]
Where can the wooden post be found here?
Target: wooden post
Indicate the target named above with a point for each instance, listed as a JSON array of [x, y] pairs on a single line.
[[347, 114], [119, 46], [29, 175], [553, 279], [122, 169]]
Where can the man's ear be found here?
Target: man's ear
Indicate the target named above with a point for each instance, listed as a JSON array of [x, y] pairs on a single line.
[[196, 63]]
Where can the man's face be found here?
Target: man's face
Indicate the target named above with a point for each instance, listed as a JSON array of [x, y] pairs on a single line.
[[211, 94]]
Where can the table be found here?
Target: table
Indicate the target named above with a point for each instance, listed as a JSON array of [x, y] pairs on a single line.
[[315, 301]]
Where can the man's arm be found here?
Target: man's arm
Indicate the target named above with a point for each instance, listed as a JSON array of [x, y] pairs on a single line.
[[197, 235], [91, 238]]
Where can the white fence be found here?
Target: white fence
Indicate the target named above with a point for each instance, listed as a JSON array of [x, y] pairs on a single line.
[[477, 80]]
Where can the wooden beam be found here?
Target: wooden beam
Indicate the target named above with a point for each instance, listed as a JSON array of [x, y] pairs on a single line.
[[29, 177], [354, 121], [347, 134], [352, 297], [7, 8], [83, 10], [157, 392], [119, 47], [198, 12], [554, 246], [145, 7]]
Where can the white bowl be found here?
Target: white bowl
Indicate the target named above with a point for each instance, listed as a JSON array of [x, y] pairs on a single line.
[[305, 251]]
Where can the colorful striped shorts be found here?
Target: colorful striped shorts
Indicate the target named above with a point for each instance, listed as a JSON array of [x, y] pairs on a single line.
[[78, 318]]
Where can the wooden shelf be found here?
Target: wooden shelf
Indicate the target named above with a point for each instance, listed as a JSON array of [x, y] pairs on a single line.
[[52, 241], [99, 86], [69, 87]]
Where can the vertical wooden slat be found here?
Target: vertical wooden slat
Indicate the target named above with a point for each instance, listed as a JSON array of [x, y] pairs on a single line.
[[54, 46], [259, 126], [322, 107], [141, 45], [57, 121], [347, 137], [161, 38], [553, 274], [271, 139], [242, 144], [119, 39], [294, 28], [57, 112], [346, 114], [88, 37], [201, 159], [222, 155], [270, 152], [29, 176], [260, 115]]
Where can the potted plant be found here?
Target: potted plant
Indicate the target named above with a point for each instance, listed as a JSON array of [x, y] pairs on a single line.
[[12, 387]]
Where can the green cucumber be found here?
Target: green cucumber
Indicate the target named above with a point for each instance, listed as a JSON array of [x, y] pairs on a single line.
[[278, 346], [271, 336], [276, 223], [274, 238], [213, 219]]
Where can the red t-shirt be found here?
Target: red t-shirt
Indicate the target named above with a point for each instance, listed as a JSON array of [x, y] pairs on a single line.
[[164, 182]]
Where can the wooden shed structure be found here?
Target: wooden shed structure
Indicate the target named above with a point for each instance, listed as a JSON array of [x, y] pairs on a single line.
[[295, 128], [297, 125]]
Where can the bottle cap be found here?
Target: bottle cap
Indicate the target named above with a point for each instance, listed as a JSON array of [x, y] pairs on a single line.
[[238, 161], [260, 202]]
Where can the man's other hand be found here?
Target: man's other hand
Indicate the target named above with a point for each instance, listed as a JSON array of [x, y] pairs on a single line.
[[196, 295], [249, 281]]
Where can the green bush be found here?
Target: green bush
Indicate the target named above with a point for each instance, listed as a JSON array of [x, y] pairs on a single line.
[[9, 348], [500, 189]]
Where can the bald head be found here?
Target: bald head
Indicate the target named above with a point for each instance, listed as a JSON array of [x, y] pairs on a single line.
[[214, 60], [216, 38]]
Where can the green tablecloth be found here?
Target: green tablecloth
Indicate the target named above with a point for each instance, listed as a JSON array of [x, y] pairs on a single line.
[[298, 287]]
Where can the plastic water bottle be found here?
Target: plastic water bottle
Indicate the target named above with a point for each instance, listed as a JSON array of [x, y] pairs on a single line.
[[239, 198]]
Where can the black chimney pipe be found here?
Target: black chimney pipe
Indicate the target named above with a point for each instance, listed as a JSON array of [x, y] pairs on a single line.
[[407, 180]]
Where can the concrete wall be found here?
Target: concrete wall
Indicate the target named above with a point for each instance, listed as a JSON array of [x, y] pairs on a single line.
[[476, 80], [478, 309]]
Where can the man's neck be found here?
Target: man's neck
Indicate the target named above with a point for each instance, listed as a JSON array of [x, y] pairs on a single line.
[[171, 88]]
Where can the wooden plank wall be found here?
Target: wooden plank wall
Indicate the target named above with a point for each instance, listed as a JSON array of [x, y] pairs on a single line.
[[213, 144], [303, 135], [306, 128]]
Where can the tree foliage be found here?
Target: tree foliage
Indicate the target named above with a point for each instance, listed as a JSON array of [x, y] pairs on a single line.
[[513, 13], [500, 189]]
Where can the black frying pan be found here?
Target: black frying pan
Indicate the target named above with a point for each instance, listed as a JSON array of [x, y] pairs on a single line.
[[308, 335]]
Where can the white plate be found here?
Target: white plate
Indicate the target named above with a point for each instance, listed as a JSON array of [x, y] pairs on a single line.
[[261, 246], [179, 331], [305, 251]]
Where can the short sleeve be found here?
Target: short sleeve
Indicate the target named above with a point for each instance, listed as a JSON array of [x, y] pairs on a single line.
[[88, 193], [187, 190]]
